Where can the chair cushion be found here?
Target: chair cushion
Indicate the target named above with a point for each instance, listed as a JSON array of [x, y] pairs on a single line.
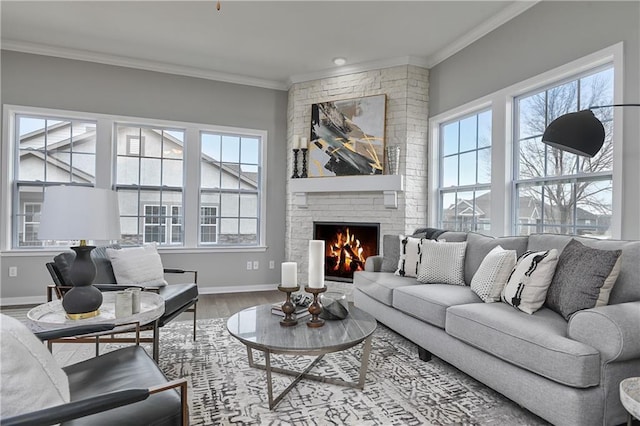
[[104, 271], [31, 379], [380, 285], [137, 265], [178, 296], [537, 342], [129, 367], [429, 302]]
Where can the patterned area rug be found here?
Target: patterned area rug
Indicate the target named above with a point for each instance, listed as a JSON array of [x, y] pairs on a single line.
[[400, 389]]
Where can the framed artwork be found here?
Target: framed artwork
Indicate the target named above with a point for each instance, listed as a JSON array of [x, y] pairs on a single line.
[[347, 137]]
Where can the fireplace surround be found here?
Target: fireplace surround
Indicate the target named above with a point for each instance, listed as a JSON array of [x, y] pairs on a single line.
[[347, 246]]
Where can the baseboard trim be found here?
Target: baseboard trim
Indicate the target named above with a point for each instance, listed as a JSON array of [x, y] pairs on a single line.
[[18, 301], [237, 289]]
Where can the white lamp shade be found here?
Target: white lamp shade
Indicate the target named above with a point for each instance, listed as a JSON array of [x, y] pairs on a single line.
[[79, 213]]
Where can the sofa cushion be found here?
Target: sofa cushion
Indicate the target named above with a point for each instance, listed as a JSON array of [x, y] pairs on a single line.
[[380, 285], [529, 281], [493, 273], [390, 253], [442, 262], [537, 342], [579, 281], [429, 302], [410, 255], [627, 286], [478, 246]]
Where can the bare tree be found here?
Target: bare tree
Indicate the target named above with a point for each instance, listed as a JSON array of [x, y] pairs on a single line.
[[539, 160]]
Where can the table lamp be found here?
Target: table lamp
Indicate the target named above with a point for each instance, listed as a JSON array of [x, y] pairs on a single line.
[[578, 132], [80, 213]]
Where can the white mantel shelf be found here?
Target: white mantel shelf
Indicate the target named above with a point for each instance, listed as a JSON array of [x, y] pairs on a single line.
[[389, 185]]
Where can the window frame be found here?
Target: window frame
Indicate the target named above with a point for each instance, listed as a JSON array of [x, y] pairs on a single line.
[[105, 174], [501, 103]]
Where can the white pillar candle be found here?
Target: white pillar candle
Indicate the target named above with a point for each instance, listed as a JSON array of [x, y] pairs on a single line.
[[316, 263], [303, 143], [296, 142], [289, 274]]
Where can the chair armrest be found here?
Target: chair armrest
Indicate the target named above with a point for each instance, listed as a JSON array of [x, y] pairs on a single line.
[[116, 287], [77, 409], [78, 330], [182, 271], [373, 264], [613, 330]]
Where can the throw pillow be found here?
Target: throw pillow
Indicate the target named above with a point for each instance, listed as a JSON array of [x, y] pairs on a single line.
[[529, 281], [410, 253], [390, 253], [493, 273], [580, 277], [137, 265], [31, 378], [442, 262]]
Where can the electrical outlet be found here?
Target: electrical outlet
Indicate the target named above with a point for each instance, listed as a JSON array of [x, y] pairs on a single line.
[[13, 271], [256, 265], [272, 264], [249, 265]]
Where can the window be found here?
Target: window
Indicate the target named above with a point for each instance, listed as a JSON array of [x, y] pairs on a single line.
[[465, 173], [147, 180], [229, 180], [49, 150], [181, 185], [556, 191], [500, 179]]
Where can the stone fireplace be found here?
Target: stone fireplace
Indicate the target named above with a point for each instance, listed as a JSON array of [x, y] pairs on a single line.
[[347, 246]]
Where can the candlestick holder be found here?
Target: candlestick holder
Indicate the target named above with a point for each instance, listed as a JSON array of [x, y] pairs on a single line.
[[315, 307], [295, 164], [288, 308], [304, 163]]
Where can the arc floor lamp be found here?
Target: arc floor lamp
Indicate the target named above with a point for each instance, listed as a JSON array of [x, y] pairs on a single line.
[[578, 132]]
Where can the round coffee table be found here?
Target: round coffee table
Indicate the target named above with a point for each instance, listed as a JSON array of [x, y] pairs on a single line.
[[257, 328]]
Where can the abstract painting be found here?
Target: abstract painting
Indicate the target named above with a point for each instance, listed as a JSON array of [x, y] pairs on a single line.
[[347, 137]]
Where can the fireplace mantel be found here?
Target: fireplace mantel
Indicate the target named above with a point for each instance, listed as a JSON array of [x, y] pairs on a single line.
[[389, 185]]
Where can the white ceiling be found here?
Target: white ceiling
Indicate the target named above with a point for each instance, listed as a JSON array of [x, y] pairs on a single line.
[[262, 43]]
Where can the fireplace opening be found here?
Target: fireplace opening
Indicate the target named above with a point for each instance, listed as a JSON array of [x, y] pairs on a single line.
[[347, 246]]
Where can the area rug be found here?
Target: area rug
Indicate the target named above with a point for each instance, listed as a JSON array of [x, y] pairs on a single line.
[[400, 388]]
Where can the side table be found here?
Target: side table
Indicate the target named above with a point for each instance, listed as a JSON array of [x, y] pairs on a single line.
[[630, 397], [51, 315]]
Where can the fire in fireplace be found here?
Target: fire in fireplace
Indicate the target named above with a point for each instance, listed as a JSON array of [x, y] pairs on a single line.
[[347, 246]]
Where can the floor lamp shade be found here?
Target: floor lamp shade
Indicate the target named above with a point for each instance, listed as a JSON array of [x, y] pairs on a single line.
[[80, 213], [577, 132]]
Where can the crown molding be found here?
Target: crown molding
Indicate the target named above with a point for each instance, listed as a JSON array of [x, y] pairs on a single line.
[[356, 68], [123, 61], [480, 31]]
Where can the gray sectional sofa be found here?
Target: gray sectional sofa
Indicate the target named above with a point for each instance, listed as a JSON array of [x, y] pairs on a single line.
[[566, 372]]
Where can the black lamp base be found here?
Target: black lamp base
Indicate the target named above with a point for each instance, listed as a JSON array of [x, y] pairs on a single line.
[[83, 300]]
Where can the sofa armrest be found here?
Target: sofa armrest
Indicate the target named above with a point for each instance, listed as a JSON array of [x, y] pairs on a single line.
[[373, 264], [613, 330]]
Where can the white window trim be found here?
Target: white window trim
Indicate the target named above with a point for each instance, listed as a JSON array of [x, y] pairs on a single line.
[[501, 104], [105, 173]]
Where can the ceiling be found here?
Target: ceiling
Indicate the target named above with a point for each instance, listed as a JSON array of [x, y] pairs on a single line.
[[262, 43]]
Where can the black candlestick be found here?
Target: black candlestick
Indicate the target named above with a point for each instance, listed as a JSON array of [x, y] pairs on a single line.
[[315, 307], [304, 163], [295, 164], [288, 308]]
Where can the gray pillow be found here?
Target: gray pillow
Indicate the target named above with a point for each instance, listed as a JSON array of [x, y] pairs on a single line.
[[580, 277], [390, 253], [479, 246]]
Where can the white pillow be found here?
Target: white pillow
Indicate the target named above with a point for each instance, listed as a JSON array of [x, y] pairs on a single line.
[[409, 256], [31, 379], [529, 282], [442, 262], [493, 273], [137, 265]]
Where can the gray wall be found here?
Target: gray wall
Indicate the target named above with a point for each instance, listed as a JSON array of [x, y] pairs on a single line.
[[42, 81], [546, 36]]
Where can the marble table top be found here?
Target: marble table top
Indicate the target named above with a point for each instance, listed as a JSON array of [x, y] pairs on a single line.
[[630, 395], [258, 328]]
